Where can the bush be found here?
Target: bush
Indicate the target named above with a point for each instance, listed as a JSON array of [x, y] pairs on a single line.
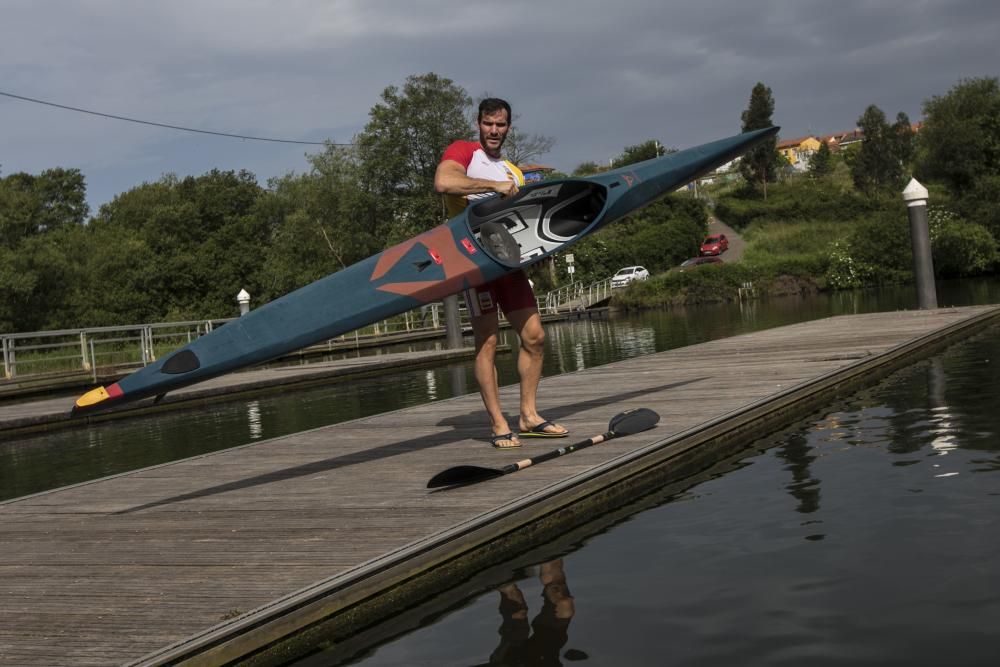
[[960, 248], [877, 252], [797, 199], [713, 283]]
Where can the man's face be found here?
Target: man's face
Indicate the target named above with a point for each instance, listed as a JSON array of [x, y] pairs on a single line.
[[493, 128]]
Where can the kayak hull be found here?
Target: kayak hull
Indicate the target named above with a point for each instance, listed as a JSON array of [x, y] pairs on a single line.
[[489, 239]]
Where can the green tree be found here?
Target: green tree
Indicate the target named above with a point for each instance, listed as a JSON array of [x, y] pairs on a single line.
[[960, 136], [959, 146], [118, 284], [32, 204], [821, 162], [41, 220], [38, 279], [878, 166], [400, 147], [759, 165], [587, 169], [205, 240], [647, 150], [326, 221]]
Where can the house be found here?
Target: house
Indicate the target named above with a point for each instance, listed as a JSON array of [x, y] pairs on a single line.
[[840, 140], [856, 136], [798, 151]]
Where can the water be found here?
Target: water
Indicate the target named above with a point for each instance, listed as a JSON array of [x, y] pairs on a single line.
[[865, 536], [51, 460]]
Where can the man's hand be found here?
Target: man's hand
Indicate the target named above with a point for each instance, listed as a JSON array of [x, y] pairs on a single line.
[[506, 188]]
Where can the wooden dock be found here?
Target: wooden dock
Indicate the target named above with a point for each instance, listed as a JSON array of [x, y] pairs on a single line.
[[209, 559]]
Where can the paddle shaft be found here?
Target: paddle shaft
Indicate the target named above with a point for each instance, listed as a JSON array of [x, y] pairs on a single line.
[[556, 453]]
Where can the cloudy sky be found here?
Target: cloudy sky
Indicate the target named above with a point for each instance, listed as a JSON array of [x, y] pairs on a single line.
[[595, 75]]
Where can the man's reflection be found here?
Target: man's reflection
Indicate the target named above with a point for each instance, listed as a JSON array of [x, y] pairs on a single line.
[[539, 643]]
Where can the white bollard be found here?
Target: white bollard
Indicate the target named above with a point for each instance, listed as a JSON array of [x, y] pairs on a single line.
[[915, 196], [243, 298]]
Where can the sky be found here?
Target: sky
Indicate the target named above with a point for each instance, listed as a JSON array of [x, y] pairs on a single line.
[[594, 75]]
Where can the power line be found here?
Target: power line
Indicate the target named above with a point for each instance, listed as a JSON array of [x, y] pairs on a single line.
[[172, 127]]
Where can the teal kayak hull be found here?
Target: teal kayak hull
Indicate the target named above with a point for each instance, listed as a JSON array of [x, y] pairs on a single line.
[[490, 238]]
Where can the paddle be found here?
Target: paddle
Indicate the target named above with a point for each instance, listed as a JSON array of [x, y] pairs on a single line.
[[629, 422]]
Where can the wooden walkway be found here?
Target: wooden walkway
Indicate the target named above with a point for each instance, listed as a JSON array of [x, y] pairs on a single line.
[[207, 559]]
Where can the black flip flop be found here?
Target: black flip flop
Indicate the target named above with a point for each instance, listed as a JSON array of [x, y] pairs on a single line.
[[540, 432], [494, 439]]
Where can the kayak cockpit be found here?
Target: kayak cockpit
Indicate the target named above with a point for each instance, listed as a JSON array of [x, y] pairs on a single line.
[[539, 220]]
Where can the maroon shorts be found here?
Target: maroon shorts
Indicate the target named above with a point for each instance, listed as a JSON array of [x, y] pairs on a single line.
[[510, 292]]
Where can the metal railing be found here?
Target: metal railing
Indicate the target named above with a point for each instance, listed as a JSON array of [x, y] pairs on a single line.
[[576, 296], [76, 350]]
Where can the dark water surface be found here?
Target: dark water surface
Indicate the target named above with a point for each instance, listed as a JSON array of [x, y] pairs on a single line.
[[46, 461], [868, 535]]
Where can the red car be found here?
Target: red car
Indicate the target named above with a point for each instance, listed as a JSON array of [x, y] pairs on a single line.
[[714, 245]]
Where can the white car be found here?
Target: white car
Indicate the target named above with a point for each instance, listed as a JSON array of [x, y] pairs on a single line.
[[627, 275]]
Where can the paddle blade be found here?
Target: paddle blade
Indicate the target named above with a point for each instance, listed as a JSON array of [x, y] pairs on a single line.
[[462, 475], [632, 421]]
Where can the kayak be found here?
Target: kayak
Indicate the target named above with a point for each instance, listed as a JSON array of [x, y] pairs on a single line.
[[490, 238]]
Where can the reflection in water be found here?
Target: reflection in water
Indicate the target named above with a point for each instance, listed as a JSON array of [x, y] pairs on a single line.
[[431, 386], [457, 374], [798, 453], [253, 420], [581, 363], [541, 642], [945, 437]]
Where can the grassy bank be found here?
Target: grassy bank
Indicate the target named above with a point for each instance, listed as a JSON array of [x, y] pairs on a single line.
[[812, 235]]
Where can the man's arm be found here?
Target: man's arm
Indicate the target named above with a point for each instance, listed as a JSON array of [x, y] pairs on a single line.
[[451, 179]]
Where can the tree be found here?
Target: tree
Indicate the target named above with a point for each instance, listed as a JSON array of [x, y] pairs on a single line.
[[821, 162], [31, 205], [759, 165], [878, 166], [41, 220], [400, 147], [326, 221], [521, 147], [203, 238], [904, 142], [647, 150], [960, 135], [587, 169]]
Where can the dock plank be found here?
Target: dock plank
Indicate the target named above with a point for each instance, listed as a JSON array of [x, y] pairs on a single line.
[[150, 565]]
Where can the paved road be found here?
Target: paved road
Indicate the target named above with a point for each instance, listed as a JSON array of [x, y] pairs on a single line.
[[736, 242]]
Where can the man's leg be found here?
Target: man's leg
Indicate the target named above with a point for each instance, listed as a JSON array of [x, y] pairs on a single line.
[[484, 328], [528, 325]]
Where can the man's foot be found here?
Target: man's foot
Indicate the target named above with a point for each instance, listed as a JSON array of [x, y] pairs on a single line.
[[544, 429], [505, 441]]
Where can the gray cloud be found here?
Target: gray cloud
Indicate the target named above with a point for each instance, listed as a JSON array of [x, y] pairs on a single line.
[[595, 75]]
